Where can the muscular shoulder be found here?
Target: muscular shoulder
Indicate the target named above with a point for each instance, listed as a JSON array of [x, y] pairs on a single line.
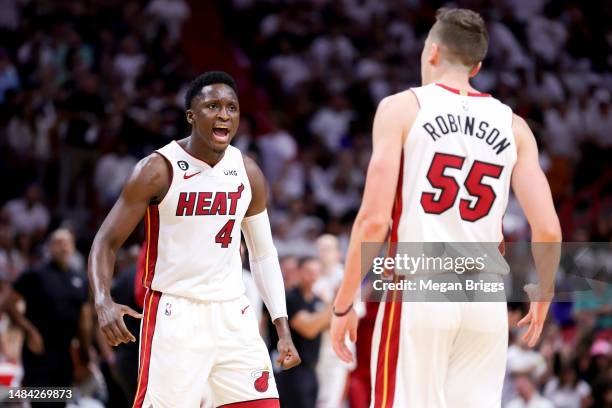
[[522, 132], [399, 109], [403, 105], [150, 178]]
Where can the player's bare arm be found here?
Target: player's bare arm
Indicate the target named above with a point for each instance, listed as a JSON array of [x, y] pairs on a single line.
[[262, 255], [148, 182], [531, 188], [394, 117]]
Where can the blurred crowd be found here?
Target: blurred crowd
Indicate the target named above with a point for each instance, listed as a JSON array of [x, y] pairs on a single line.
[[87, 88]]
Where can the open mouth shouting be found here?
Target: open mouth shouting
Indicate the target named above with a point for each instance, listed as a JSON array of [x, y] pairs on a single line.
[[221, 133]]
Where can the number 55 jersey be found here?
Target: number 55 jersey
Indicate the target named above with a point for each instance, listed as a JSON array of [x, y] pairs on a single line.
[[193, 234], [456, 167]]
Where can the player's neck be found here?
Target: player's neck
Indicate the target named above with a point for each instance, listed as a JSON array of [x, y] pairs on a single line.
[[202, 152], [454, 80]]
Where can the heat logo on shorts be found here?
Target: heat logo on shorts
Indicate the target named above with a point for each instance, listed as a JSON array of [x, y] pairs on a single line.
[[261, 379], [168, 310]]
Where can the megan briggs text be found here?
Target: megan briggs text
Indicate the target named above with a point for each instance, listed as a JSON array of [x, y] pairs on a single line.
[[442, 287]]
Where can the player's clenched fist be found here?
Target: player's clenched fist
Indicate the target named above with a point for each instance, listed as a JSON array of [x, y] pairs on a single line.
[[288, 356], [110, 319]]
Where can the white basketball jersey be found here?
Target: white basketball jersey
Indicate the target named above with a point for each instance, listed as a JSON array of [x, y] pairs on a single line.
[[456, 168], [193, 234]]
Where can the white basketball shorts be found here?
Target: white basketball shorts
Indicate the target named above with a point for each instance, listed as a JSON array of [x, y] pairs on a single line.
[[187, 344], [439, 354]]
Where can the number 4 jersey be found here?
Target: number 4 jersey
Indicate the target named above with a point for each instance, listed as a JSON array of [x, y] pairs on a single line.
[[193, 234], [456, 168]]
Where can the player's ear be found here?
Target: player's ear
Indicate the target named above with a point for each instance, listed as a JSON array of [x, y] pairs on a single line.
[[190, 116], [475, 70], [433, 56]]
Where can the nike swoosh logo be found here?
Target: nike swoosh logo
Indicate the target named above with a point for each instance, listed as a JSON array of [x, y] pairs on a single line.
[[243, 310], [185, 176]]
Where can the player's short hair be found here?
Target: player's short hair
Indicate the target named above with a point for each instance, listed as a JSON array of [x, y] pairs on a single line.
[[208, 78], [463, 33]]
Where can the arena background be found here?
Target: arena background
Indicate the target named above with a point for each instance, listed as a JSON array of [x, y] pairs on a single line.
[[87, 88]]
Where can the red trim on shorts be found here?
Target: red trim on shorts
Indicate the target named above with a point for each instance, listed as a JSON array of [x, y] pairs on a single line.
[[152, 238], [388, 351], [397, 206], [454, 90], [146, 341], [260, 403]]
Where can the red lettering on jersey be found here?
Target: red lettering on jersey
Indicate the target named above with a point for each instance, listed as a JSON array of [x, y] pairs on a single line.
[[219, 205], [186, 203], [203, 206], [234, 197]]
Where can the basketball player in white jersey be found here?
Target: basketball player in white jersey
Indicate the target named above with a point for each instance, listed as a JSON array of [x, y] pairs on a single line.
[[453, 153], [195, 196]]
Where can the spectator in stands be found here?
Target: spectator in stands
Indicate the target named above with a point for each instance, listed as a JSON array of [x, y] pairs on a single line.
[[277, 149], [56, 312], [308, 318], [593, 308], [129, 63], [112, 171], [123, 360], [82, 111], [28, 133], [567, 390], [9, 78], [528, 394], [170, 13], [12, 262], [330, 124], [522, 359], [28, 214], [331, 371]]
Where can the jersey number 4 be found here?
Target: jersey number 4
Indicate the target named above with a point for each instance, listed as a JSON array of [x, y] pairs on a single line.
[[224, 236], [449, 188]]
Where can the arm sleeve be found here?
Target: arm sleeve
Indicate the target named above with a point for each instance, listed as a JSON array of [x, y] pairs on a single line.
[[265, 267]]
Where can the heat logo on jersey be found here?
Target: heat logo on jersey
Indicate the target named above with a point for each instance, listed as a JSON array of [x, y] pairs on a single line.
[[207, 203]]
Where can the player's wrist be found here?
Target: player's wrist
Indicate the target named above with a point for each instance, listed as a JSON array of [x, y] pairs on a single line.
[[282, 327], [339, 312]]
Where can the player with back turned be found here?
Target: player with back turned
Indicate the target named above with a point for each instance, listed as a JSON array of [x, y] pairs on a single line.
[[452, 153], [196, 195]]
